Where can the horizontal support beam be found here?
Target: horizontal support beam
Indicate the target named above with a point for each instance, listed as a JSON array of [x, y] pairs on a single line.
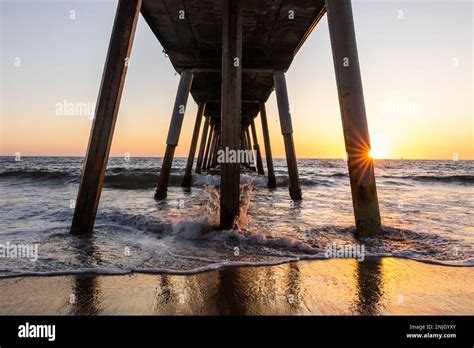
[[218, 70], [243, 101]]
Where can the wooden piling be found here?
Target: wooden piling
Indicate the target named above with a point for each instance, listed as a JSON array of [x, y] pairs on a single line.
[[200, 158], [187, 178], [354, 119], [251, 158], [287, 131], [216, 150], [212, 149], [208, 146], [177, 117], [245, 146], [256, 147], [231, 109], [268, 148], [100, 139]]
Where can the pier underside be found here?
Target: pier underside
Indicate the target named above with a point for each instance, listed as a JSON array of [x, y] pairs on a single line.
[[272, 33], [231, 55]]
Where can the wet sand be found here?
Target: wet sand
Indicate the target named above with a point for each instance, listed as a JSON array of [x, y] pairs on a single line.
[[336, 286]]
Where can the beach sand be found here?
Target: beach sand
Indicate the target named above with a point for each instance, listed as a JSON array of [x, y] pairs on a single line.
[[336, 286]]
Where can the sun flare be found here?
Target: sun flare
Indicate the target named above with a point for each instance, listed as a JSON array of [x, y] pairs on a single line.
[[380, 147]]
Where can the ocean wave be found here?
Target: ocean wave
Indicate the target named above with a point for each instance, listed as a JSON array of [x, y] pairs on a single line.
[[463, 179], [209, 267], [39, 175], [123, 178], [189, 247], [312, 243], [146, 178], [200, 232]]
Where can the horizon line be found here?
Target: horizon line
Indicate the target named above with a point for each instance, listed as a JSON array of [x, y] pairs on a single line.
[[263, 157]]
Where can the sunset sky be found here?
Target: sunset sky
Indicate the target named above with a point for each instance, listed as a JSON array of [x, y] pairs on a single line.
[[417, 73]]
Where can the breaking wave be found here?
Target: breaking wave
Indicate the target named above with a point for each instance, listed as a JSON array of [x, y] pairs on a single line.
[[463, 179], [187, 246], [125, 178], [39, 175]]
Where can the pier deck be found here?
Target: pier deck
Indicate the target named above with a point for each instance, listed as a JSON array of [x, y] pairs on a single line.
[[272, 33]]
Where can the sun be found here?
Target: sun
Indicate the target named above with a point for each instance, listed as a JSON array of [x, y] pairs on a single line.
[[380, 147]]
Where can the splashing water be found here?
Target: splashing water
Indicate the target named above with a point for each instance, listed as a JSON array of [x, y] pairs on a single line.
[[243, 220], [212, 204]]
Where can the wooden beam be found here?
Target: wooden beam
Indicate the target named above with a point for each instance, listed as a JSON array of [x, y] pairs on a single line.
[[242, 101], [354, 119], [231, 109], [268, 71], [113, 79]]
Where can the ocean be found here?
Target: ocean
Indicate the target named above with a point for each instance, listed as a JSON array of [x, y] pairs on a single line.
[[426, 209]]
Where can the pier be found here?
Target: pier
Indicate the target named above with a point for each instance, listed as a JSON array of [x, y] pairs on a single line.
[[231, 55]]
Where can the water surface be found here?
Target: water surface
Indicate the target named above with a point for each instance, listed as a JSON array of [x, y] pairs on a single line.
[[425, 205]]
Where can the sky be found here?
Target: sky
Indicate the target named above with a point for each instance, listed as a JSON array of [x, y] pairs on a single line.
[[416, 62]]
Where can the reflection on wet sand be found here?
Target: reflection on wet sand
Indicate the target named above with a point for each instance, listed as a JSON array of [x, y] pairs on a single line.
[[229, 296], [261, 290], [85, 295], [369, 287], [165, 293], [372, 287], [293, 289], [85, 300]]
